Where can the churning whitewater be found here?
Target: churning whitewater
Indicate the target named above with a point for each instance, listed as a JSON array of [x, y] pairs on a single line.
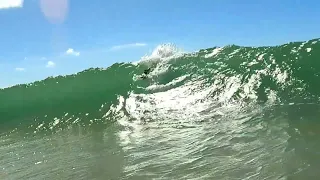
[[229, 112]]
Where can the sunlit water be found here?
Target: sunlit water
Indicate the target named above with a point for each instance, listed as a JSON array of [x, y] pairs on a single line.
[[277, 143]]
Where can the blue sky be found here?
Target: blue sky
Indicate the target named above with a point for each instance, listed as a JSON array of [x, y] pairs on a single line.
[[40, 38]]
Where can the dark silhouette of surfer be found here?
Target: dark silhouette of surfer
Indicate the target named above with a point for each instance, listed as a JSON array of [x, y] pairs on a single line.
[[145, 73]]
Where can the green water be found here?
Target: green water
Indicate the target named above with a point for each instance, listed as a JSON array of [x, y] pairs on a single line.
[[221, 113]]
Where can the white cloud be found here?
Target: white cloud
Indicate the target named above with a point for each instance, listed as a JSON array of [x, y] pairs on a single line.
[[20, 69], [123, 46], [6, 4], [50, 64], [70, 51]]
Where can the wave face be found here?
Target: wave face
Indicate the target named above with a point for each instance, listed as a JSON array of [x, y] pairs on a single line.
[[282, 74], [185, 90]]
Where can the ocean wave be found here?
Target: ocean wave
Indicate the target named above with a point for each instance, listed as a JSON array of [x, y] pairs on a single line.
[[180, 84]]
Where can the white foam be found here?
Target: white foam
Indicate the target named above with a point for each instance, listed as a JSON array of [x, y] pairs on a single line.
[[294, 50], [308, 49], [115, 108], [234, 52], [213, 53], [161, 53], [178, 101], [260, 57], [168, 85], [302, 44]]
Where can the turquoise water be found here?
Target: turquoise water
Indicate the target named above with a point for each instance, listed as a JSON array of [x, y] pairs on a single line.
[[220, 113]]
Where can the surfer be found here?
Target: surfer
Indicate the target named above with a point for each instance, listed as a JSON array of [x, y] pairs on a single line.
[[145, 73]]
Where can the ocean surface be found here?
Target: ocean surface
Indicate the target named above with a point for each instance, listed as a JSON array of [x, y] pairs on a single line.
[[224, 113]]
